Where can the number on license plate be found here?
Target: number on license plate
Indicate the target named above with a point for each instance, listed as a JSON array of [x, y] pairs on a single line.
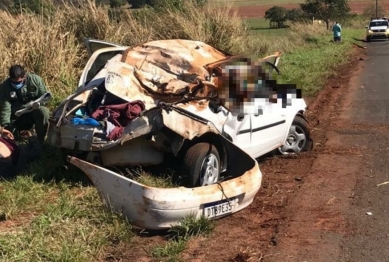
[[219, 208]]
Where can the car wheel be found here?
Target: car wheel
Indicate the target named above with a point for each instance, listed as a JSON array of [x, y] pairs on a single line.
[[368, 39], [298, 137], [201, 165]]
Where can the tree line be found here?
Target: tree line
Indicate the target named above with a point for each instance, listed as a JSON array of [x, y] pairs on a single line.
[[325, 10]]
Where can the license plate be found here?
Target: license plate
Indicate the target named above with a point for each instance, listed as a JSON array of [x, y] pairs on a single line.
[[219, 208]]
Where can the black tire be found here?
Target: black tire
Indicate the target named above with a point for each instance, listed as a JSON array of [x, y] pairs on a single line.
[[368, 39], [201, 165], [295, 143]]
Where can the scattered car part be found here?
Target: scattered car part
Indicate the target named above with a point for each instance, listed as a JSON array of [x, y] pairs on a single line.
[[160, 208]]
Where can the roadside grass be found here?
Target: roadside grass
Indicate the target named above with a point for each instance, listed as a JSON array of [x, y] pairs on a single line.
[[60, 223], [179, 235], [261, 26], [310, 66]]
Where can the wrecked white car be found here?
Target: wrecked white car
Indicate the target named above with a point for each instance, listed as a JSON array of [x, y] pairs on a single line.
[[214, 112]]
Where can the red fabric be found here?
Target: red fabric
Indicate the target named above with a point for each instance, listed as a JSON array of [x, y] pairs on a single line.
[[12, 146], [119, 115]]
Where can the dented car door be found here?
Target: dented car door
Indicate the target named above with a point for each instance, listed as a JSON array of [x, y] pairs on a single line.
[[268, 126]]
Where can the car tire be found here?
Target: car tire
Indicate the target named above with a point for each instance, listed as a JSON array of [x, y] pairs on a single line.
[[298, 139], [201, 165], [368, 39]]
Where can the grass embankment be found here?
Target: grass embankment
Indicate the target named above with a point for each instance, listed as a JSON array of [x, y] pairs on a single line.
[[42, 219], [309, 55]]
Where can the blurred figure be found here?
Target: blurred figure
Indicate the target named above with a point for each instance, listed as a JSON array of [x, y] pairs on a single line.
[[15, 158], [337, 31], [15, 92]]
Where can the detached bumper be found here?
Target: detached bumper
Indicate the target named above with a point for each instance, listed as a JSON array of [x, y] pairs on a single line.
[[161, 208]]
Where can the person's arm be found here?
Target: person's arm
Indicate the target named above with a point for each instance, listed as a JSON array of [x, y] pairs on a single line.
[[41, 86], [5, 107], [37, 81]]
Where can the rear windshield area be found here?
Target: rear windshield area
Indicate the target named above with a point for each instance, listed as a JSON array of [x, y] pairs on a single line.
[[378, 23]]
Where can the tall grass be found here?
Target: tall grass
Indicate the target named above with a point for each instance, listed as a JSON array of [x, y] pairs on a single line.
[[52, 47], [42, 46]]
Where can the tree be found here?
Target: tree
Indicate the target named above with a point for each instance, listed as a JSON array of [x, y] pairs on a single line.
[[296, 14], [370, 11], [326, 10], [276, 14]]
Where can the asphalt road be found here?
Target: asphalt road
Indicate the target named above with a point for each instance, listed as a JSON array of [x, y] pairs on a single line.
[[368, 214], [339, 213]]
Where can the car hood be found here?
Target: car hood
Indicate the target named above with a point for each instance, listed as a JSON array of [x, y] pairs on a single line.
[[158, 69]]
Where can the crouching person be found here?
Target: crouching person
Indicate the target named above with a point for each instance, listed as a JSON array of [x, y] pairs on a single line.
[[16, 91], [15, 158]]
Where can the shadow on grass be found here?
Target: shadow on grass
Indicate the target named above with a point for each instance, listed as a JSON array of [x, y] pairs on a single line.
[[359, 40], [146, 233], [53, 167]]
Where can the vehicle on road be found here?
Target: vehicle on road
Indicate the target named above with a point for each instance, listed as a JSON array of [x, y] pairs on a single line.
[[377, 29]]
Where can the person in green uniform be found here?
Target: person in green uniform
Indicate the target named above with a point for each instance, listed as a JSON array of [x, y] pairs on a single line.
[[17, 90]]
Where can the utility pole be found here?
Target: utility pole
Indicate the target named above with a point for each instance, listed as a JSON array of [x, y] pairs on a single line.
[[376, 9]]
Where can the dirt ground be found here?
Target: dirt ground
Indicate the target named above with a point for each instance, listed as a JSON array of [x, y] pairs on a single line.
[[259, 11], [268, 225]]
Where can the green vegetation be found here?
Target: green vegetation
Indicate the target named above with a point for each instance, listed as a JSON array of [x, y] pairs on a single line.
[[56, 222], [53, 216], [305, 66], [162, 178], [179, 235], [277, 14], [326, 10]]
